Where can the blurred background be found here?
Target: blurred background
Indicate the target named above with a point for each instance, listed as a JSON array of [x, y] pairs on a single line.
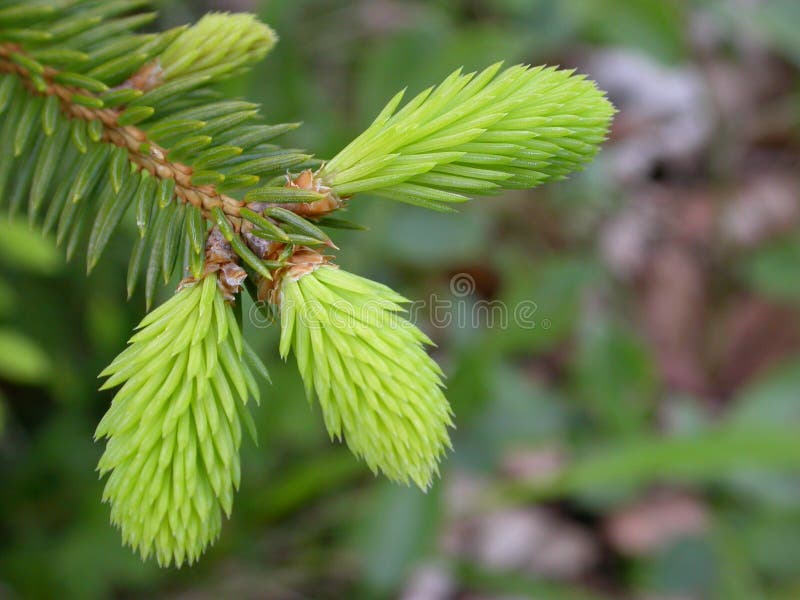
[[635, 436]]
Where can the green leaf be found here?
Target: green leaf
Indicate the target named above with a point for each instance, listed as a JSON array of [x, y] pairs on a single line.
[[241, 249], [136, 262], [276, 161], [157, 242], [120, 97], [172, 242], [110, 29], [50, 158], [704, 457], [165, 192], [82, 219], [23, 361], [256, 363], [26, 12], [214, 110], [146, 200], [7, 129], [95, 130], [238, 182], [218, 125], [195, 228], [196, 261], [298, 239], [119, 169], [207, 178], [24, 175], [88, 101], [298, 224], [282, 194], [50, 114], [169, 128], [164, 92], [255, 136], [92, 166], [135, 114], [109, 50], [24, 61], [112, 209], [9, 85], [79, 137], [26, 249], [773, 269], [265, 225], [214, 157], [74, 24], [59, 56], [81, 81], [24, 131], [59, 196], [189, 146]]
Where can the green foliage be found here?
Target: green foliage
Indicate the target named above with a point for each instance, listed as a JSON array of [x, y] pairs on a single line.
[[23, 360], [218, 44], [22, 247], [378, 388], [311, 521], [229, 146], [475, 134], [174, 427], [773, 270], [658, 27], [707, 456], [102, 125]]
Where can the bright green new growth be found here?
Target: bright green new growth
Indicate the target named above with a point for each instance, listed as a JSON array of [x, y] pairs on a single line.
[[100, 124], [377, 386], [218, 43], [476, 135], [174, 426]]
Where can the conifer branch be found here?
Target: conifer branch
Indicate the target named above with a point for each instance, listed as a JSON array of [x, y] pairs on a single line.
[[141, 150], [475, 134], [175, 426], [378, 388], [100, 122], [168, 69]]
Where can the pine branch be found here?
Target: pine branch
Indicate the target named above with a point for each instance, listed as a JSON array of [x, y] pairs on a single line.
[[174, 428], [475, 134], [378, 388], [146, 118], [101, 122]]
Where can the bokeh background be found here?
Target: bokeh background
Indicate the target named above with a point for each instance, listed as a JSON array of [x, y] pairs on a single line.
[[640, 441]]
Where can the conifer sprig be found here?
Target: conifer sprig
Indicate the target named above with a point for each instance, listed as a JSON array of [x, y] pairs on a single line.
[[99, 124], [163, 138], [175, 425], [475, 134], [220, 44], [378, 388]]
